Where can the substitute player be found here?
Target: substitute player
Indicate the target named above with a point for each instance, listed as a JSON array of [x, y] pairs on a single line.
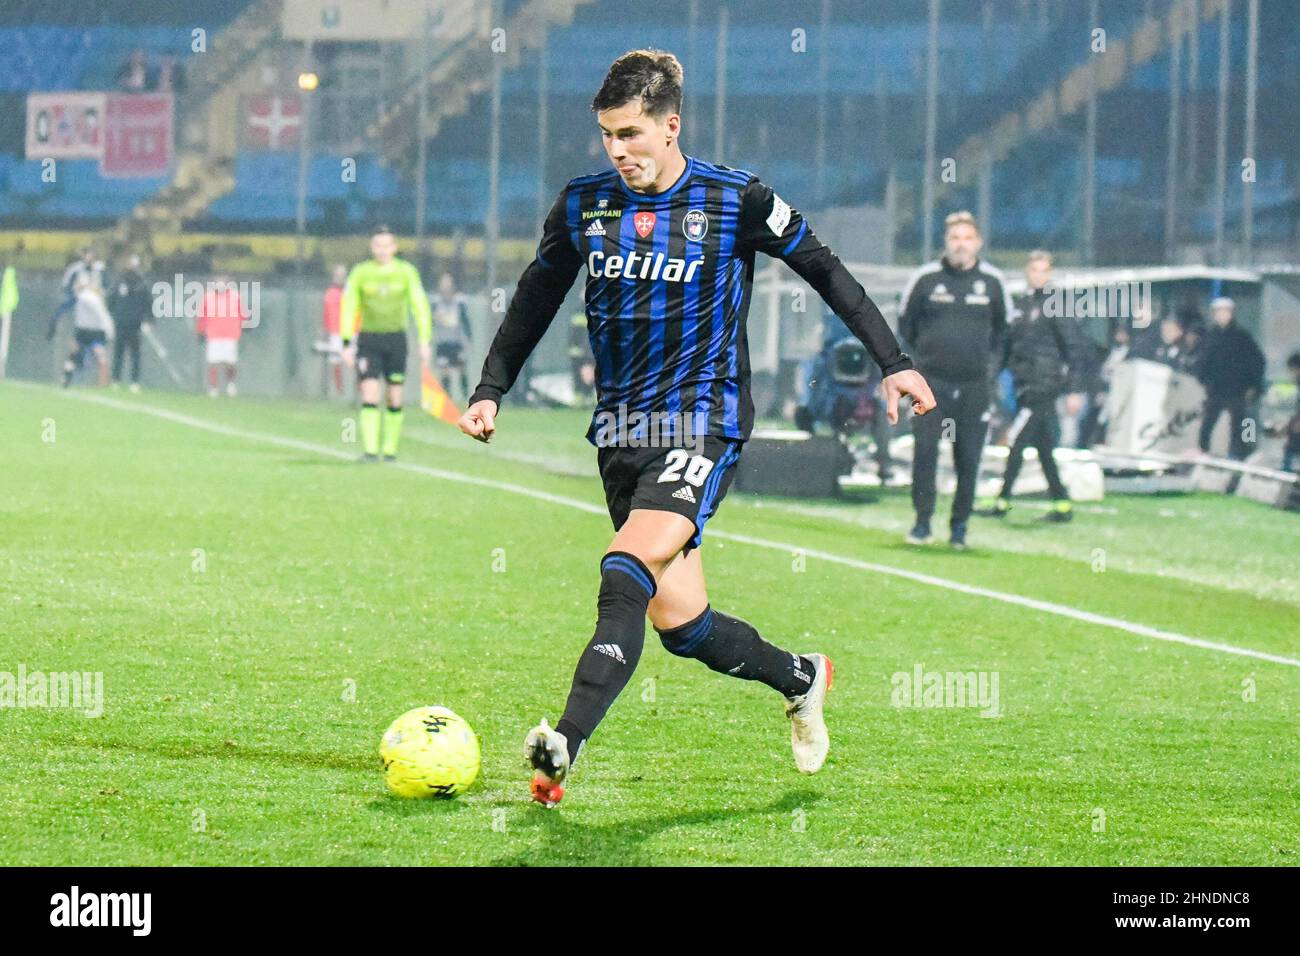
[[384, 289], [330, 325], [668, 242], [220, 324], [1047, 357]]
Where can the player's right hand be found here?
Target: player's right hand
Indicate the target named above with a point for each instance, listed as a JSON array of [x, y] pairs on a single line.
[[349, 353], [479, 420]]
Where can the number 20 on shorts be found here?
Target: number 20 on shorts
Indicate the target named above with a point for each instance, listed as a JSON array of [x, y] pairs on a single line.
[[697, 468]]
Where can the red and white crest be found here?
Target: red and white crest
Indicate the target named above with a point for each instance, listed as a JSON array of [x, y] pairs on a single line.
[[644, 222]]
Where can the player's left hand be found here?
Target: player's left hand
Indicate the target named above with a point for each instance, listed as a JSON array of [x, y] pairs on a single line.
[[1073, 403], [907, 382], [479, 420], [426, 354]]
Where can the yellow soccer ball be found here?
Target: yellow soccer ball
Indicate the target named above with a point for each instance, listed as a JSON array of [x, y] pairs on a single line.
[[429, 752]]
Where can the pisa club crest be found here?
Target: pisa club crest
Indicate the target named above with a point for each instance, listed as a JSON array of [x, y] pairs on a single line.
[[644, 222], [695, 225]]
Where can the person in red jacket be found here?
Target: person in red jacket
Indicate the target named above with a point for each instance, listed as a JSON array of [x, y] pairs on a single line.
[[330, 323], [220, 323]]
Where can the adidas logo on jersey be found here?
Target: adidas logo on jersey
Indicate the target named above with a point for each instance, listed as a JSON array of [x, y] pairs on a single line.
[[596, 229], [685, 494], [612, 650]]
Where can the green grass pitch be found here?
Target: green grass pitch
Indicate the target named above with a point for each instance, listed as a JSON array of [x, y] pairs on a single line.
[[261, 609]]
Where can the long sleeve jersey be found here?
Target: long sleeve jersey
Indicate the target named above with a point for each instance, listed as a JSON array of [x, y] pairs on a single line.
[[384, 295], [667, 292]]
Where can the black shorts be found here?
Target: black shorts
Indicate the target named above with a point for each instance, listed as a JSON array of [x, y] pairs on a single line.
[[449, 354], [382, 355], [89, 338], [669, 479]]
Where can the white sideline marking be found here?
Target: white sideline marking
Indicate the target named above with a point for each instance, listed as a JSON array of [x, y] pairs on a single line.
[[1047, 607]]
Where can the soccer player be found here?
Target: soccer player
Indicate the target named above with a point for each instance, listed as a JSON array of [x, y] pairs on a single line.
[[451, 319], [384, 289], [953, 314], [85, 266], [93, 327], [220, 325], [668, 241], [330, 324]]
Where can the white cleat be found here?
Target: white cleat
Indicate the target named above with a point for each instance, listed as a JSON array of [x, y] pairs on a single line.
[[548, 753], [808, 736]]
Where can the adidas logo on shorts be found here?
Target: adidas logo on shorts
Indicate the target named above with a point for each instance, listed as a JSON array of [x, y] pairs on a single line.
[[685, 494], [611, 650]]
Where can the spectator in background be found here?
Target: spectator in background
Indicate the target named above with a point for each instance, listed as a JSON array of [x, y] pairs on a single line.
[[1193, 336], [93, 328], [1193, 333], [1232, 370], [220, 324], [1119, 343], [1291, 451], [330, 323], [1119, 353], [1143, 337], [1172, 350], [132, 308], [171, 76], [1094, 392], [451, 332], [133, 77]]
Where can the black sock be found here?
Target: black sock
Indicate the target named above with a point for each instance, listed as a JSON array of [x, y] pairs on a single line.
[[731, 646], [605, 667]]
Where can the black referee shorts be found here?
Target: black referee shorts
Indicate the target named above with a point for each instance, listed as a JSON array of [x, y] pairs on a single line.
[[382, 355]]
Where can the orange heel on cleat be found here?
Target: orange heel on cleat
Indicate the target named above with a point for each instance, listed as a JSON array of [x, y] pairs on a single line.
[[545, 792], [548, 753]]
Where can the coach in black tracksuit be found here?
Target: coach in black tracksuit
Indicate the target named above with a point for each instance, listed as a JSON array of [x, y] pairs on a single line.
[[1047, 357], [953, 315], [131, 306]]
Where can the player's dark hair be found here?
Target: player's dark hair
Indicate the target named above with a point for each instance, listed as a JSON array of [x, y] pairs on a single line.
[[383, 229], [653, 76]]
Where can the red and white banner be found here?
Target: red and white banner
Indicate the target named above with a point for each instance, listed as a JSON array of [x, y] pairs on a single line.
[[138, 135], [65, 125], [272, 121]]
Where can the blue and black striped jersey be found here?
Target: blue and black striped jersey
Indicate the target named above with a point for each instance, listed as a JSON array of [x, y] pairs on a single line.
[[667, 293]]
